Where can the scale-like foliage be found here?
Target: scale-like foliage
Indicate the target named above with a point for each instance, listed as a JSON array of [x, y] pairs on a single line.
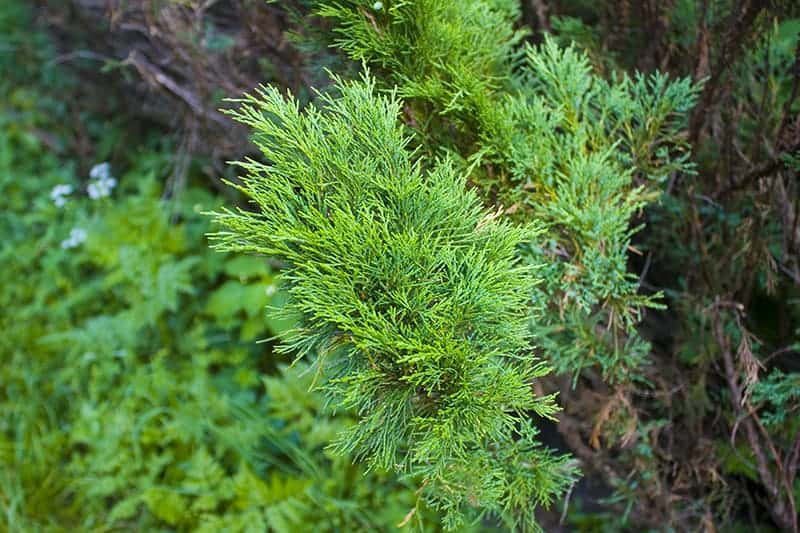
[[409, 294]]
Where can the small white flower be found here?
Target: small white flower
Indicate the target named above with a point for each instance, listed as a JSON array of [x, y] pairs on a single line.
[[58, 194], [77, 236], [270, 290], [102, 181], [93, 190], [100, 171], [377, 6], [61, 190]]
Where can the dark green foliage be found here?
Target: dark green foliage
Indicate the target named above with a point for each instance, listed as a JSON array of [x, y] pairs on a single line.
[[722, 245], [410, 298]]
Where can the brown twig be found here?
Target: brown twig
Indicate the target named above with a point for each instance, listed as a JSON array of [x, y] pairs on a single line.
[[782, 506]]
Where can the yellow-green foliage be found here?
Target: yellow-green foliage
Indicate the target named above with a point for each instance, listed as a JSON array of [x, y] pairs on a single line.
[[410, 300], [544, 138]]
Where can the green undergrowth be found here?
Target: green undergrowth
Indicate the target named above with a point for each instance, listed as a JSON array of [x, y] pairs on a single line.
[[134, 395]]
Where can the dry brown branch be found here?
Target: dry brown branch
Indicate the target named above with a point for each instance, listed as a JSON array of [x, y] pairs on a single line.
[[779, 489], [184, 56]]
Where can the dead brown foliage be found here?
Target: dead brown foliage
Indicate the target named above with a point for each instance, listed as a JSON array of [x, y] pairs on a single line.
[[173, 61]]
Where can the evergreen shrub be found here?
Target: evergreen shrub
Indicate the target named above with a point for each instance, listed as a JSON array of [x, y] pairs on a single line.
[[454, 226]]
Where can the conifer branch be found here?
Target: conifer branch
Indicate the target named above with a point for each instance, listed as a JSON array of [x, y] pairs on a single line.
[[411, 299]]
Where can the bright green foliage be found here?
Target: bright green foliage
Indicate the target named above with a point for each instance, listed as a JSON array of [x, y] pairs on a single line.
[[449, 60], [544, 138], [409, 294]]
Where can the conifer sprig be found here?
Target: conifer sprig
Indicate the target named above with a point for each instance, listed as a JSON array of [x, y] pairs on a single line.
[[410, 298], [542, 135]]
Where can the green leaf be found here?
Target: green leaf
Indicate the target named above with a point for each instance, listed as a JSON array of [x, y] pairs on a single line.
[[245, 268], [167, 505]]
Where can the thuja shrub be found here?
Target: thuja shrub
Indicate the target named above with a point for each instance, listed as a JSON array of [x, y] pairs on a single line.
[[448, 225], [410, 296]]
